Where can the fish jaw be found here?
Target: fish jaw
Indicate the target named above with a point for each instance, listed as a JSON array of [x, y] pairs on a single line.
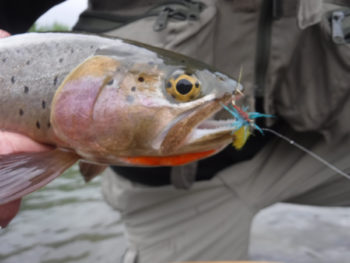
[[190, 138], [194, 132]]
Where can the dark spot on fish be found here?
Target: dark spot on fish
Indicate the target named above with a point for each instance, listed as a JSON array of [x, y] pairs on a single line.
[[38, 124], [72, 51], [60, 60], [43, 104], [13, 79], [130, 99], [197, 84], [183, 61], [133, 88], [4, 60], [18, 51], [21, 112], [110, 82], [28, 62], [151, 63], [49, 125], [55, 80], [168, 85], [141, 79], [26, 89], [91, 47]]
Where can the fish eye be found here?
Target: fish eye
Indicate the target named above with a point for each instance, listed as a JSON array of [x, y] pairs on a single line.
[[183, 87]]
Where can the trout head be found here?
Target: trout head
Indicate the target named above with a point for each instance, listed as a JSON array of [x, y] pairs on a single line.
[[142, 107]]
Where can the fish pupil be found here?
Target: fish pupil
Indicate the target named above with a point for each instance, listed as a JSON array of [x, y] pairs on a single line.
[[183, 86]]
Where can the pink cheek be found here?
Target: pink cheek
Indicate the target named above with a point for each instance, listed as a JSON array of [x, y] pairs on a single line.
[[113, 119], [73, 107]]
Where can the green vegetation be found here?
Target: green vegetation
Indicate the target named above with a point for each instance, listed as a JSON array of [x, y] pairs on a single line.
[[55, 27]]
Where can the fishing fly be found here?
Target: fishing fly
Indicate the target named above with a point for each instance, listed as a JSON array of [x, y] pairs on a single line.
[[244, 122]]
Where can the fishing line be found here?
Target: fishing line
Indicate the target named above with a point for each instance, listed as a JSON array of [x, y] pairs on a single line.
[[244, 118], [307, 151]]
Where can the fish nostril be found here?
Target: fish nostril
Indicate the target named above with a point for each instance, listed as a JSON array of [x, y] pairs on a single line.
[[110, 82], [55, 80]]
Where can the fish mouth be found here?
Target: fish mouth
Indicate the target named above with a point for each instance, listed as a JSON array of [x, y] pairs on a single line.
[[197, 131]]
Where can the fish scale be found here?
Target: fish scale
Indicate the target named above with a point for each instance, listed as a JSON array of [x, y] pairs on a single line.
[[30, 76]]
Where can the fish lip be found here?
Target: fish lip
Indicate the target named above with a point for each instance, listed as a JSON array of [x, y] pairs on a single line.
[[182, 132]]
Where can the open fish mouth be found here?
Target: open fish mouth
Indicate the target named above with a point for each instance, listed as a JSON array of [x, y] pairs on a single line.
[[196, 130]]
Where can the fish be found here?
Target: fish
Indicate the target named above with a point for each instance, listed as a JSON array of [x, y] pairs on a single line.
[[105, 101]]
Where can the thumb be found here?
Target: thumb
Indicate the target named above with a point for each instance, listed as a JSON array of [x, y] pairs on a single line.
[[4, 33]]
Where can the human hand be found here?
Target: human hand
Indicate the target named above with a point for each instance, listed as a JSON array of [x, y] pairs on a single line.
[[15, 143], [4, 33], [11, 143]]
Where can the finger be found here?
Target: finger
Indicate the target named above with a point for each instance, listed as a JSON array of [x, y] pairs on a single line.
[[14, 143], [4, 33]]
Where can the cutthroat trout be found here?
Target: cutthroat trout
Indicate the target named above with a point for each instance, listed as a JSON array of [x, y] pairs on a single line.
[[104, 101]]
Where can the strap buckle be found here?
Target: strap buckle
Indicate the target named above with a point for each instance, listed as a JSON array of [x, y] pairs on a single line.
[[180, 10], [340, 21]]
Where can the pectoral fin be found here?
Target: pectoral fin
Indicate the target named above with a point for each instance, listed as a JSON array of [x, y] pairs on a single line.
[[23, 173], [89, 170], [8, 212]]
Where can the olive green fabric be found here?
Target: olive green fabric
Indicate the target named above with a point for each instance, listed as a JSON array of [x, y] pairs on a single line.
[[306, 84], [308, 77]]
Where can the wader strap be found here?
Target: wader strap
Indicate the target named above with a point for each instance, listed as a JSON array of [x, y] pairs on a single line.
[[182, 177], [284, 8]]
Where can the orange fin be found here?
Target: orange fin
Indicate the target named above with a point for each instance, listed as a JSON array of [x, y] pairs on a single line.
[[173, 160], [23, 173], [89, 170]]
